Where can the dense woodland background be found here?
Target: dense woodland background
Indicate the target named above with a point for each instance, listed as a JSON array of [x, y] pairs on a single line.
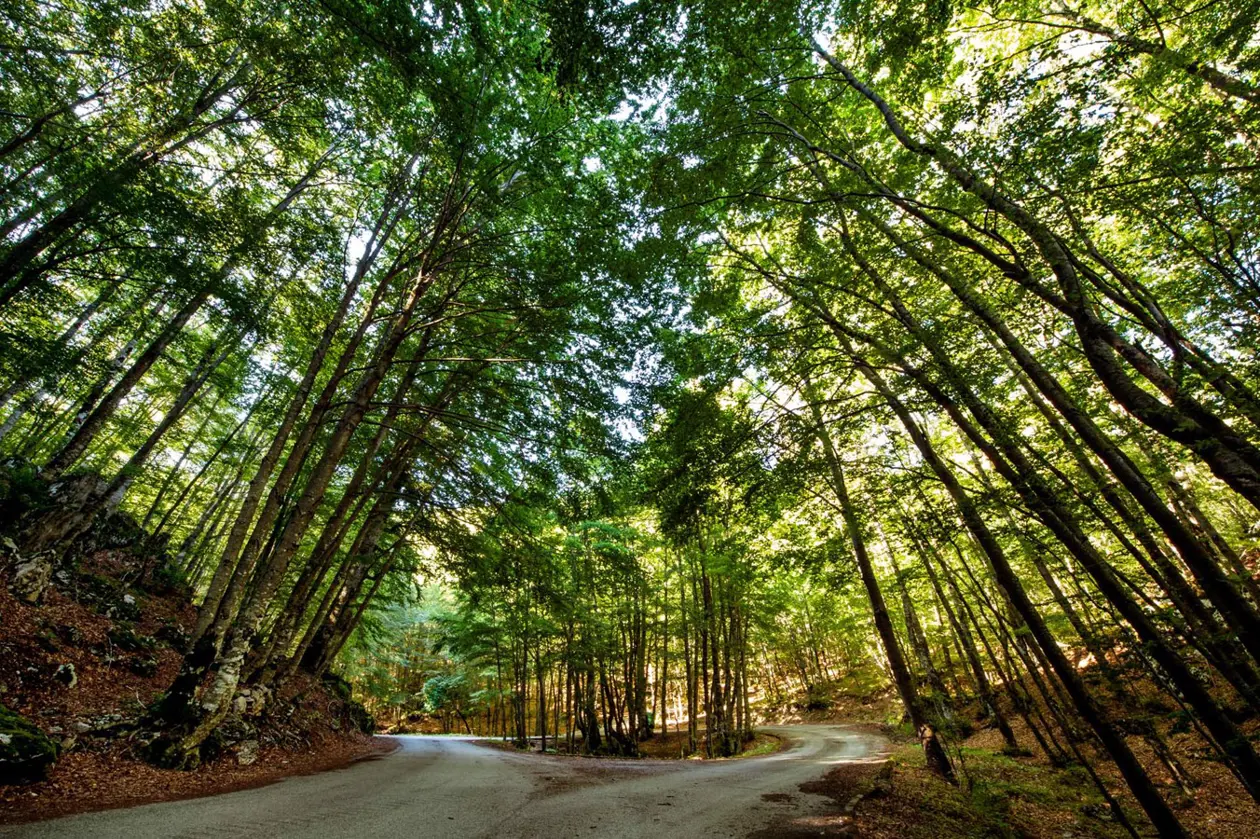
[[579, 369]]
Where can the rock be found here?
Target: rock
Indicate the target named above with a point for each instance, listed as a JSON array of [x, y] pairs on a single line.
[[173, 634], [31, 578], [145, 667], [360, 717], [125, 637], [231, 732], [66, 675], [68, 742], [1102, 812], [250, 702], [125, 609], [107, 723], [73, 505], [46, 635], [236, 730], [26, 753], [337, 685], [107, 596], [117, 530], [80, 727], [247, 752]]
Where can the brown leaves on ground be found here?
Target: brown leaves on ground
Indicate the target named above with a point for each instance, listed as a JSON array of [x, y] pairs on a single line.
[[81, 622], [36, 640], [85, 781]]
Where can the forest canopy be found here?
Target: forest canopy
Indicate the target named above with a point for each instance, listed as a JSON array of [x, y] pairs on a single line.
[[579, 369]]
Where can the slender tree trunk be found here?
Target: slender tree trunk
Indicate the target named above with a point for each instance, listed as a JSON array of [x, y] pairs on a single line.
[[937, 759]]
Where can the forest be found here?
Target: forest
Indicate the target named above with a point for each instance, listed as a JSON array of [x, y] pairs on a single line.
[[590, 370]]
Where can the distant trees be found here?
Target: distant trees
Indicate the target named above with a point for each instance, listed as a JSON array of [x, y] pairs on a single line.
[[605, 639]]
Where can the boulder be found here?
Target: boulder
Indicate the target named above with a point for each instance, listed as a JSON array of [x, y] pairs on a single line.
[[31, 578], [66, 675], [73, 504], [250, 702], [360, 717], [144, 666], [172, 634], [26, 753], [124, 636], [247, 752]]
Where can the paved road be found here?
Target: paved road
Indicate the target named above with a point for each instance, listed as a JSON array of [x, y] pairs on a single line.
[[446, 787]]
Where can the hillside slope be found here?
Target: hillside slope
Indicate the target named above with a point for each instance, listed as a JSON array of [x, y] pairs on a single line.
[[84, 656]]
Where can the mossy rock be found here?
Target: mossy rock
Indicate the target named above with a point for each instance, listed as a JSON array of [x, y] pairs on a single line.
[[337, 686], [26, 753], [120, 530], [146, 667], [125, 637], [107, 596], [360, 717], [172, 634], [167, 578]]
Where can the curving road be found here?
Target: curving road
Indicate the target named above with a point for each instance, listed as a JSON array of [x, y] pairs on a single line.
[[449, 787]]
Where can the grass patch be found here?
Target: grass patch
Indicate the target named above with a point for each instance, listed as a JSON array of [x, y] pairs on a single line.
[[997, 796], [762, 744]]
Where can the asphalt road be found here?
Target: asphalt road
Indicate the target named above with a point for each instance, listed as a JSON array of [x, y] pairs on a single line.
[[448, 787]]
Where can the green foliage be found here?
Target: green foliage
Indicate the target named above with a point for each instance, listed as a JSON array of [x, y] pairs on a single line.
[[637, 326], [446, 692], [21, 491]]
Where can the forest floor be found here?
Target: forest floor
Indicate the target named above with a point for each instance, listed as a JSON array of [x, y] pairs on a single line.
[[1000, 795], [83, 665], [1004, 796]]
